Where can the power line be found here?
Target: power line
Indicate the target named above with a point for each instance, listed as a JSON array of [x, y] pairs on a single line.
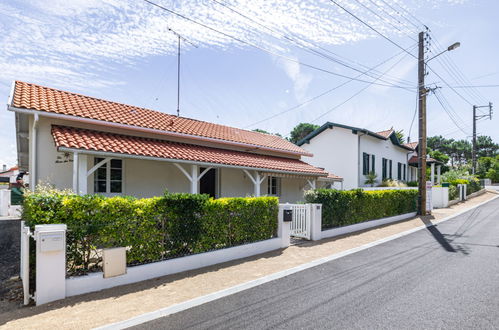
[[449, 113], [357, 93], [369, 26], [302, 43], [266, 50], [408, 12], [397, 45], [413, 116], [323, 93], [475, 86], [457, 73], [383, 9], [383, 18]]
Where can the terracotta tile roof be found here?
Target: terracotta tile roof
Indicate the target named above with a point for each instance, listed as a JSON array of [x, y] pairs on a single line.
[[411, 145], [386, 133], [75, 138], [31, 96]]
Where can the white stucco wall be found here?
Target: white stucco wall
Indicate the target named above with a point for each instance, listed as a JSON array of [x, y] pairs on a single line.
[[336, 151], [381, 149], [147, 178]]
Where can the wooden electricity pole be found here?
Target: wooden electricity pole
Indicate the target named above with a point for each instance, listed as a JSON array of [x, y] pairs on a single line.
[[422, 128]]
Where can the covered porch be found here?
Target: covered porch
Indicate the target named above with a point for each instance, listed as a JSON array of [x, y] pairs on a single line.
[[435, 176], [114, 164]]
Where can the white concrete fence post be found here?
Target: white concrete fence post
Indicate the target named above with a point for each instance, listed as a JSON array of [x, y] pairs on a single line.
[[284, 227], [315, 222], [462, 191], [50, 263], [4, 202]]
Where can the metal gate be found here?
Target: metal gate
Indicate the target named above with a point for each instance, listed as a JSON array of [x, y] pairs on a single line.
[[300, 226]]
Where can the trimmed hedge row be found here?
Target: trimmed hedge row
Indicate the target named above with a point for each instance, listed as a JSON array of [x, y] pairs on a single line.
[[341, 208], [152, 229]]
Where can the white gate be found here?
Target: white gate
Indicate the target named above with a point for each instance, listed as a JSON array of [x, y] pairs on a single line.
[[300, 226], [24, 264]]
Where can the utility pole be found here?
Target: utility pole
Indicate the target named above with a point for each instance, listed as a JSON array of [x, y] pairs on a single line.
[[422, 127], [475, 117], [179, 37]]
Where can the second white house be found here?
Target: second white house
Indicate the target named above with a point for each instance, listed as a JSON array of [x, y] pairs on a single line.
[[353, 152]]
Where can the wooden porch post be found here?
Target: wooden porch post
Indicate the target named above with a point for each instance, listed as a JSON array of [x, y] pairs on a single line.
[[82, 174], [194, 179], [75, 172], [257, 180]]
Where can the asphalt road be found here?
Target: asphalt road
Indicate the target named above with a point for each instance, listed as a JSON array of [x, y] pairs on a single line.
[[443, 277]]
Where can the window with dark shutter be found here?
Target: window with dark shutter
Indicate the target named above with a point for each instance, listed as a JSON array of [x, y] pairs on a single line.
[[390, 169], [383, 169], [373, 165], [399, 171], [365, 163]]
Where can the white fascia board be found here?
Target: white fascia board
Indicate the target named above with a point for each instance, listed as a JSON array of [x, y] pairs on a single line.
[[181, 161], [154, 131], [11, 95]]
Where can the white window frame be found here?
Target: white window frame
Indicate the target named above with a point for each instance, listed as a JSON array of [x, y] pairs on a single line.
[[278, 184], [108, 177]]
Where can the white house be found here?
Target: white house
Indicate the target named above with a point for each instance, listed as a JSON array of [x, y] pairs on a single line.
[[353, 152], [92, 145]]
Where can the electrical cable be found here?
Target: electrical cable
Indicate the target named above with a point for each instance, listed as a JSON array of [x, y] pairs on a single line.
[[266, 50], [323, 93], [356, 93], [302, 44]]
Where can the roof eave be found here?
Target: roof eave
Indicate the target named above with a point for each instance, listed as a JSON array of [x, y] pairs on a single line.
[[172, 160], [155, 131]]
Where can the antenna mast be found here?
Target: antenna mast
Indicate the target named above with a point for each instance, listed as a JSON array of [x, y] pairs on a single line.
[[180, 38]]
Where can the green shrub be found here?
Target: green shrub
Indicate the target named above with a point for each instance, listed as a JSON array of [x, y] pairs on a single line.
[[453, 193], [151, 229], [455, 182], [412, 184], [341, 208], [473, 186]]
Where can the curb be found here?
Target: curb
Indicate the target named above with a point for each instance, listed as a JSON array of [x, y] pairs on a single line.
[[251, 284]]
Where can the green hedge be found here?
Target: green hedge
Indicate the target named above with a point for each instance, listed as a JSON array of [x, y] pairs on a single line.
[[152, 229], [341, 208]]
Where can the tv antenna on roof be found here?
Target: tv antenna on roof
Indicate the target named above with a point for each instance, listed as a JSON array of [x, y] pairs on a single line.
[[180, 38]]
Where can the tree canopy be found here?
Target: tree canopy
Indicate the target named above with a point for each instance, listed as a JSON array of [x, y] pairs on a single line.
[[301, 130]]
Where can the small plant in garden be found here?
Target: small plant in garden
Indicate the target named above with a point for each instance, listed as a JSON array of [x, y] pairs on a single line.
[[371, 178], [392, 183]]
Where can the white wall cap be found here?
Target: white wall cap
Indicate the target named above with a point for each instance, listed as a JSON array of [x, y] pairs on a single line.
[[50, 227]]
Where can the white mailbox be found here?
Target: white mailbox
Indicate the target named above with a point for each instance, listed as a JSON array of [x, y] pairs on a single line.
[[50, 263], [53, 241]]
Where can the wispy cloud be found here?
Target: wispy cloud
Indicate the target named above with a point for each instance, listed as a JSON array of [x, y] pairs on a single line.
[[71, 42]]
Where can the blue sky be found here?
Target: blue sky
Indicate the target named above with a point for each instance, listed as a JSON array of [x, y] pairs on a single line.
[[123, 51]]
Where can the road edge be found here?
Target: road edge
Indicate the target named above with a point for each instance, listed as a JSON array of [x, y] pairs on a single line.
[[140, 319]]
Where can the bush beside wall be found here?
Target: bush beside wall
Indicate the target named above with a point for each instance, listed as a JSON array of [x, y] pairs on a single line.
[[152, 229], [341, 208]]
